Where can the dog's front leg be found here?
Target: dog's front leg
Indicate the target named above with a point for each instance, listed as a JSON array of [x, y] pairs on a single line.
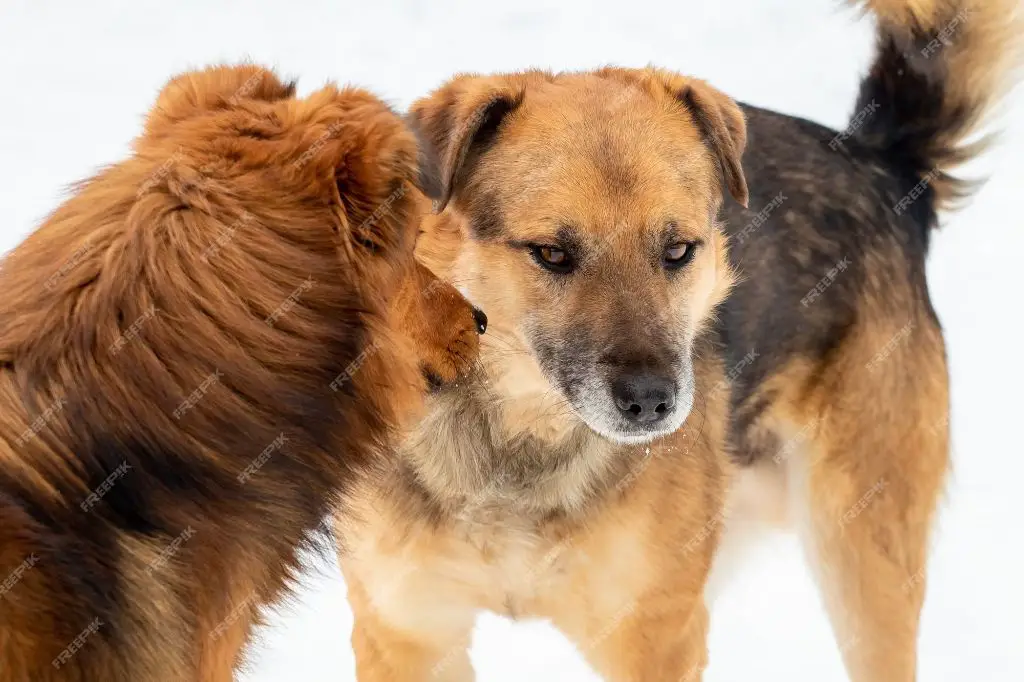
[[431, 646], [659, 636]]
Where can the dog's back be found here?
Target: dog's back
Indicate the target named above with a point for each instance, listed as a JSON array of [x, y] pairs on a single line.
[[839, 215], [839, 386], [136, 384]]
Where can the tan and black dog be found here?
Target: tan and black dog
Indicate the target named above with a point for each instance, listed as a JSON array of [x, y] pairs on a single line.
[[197, 351], [621, 420]]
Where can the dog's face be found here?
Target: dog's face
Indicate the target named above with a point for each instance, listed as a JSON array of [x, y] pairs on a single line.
[[590, 203]]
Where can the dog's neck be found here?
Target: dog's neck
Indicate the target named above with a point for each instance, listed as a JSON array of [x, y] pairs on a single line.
[[505, 440]]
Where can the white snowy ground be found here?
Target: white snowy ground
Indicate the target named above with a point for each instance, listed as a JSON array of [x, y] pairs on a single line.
[[78, 76]]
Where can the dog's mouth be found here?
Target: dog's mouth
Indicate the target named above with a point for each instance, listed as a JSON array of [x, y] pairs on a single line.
[[632, 401], [628, 405], [634, 410], [434, 382]]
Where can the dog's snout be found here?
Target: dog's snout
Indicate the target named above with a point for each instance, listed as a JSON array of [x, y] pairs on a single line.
[[481, 320], [643, 397]]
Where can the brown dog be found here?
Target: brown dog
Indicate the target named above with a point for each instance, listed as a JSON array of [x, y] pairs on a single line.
[[583, 217], [196, 352], [535, 488]]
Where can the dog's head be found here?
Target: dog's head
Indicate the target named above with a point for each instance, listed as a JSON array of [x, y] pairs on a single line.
[[339, 180], [338, 157], [589, 205]]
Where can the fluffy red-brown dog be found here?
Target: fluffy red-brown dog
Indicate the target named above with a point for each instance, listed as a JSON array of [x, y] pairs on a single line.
[[196, 350]]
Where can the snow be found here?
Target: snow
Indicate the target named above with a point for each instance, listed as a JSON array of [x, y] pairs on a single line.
[[80, 76]]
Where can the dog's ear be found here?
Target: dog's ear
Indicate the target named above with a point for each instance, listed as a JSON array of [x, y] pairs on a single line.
[[349, 147], [216, 87], [724, 128], [717, 116], [456, 123]]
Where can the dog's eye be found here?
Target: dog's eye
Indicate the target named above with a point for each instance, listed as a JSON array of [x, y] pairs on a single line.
[[678, 255], [552, 258], [368, 240]]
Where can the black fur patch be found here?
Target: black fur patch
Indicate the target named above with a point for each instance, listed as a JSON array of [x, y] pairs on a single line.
[[818, 216], [906, 89]]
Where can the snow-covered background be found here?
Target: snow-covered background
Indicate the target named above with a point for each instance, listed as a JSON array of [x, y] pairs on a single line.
[[78, 77]]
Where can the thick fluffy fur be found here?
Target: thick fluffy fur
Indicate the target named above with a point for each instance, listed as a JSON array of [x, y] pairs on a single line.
[[823, 374], [940, 68], [196, 353]]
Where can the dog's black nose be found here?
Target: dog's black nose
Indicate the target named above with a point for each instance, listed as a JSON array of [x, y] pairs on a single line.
[[643, 397], [481, 320]]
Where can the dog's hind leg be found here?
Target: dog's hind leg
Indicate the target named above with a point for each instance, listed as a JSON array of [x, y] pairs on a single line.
[[225, 612], [866, 488], [221, 646]]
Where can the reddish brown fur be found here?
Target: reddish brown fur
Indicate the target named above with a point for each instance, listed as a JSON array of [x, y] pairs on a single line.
[[247, 249]]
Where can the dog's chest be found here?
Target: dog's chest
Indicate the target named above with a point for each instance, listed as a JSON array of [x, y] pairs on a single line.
[[507, 544], [512, 563], [508, 566]]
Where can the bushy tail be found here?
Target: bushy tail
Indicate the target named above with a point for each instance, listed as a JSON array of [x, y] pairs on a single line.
[[940, 67]]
